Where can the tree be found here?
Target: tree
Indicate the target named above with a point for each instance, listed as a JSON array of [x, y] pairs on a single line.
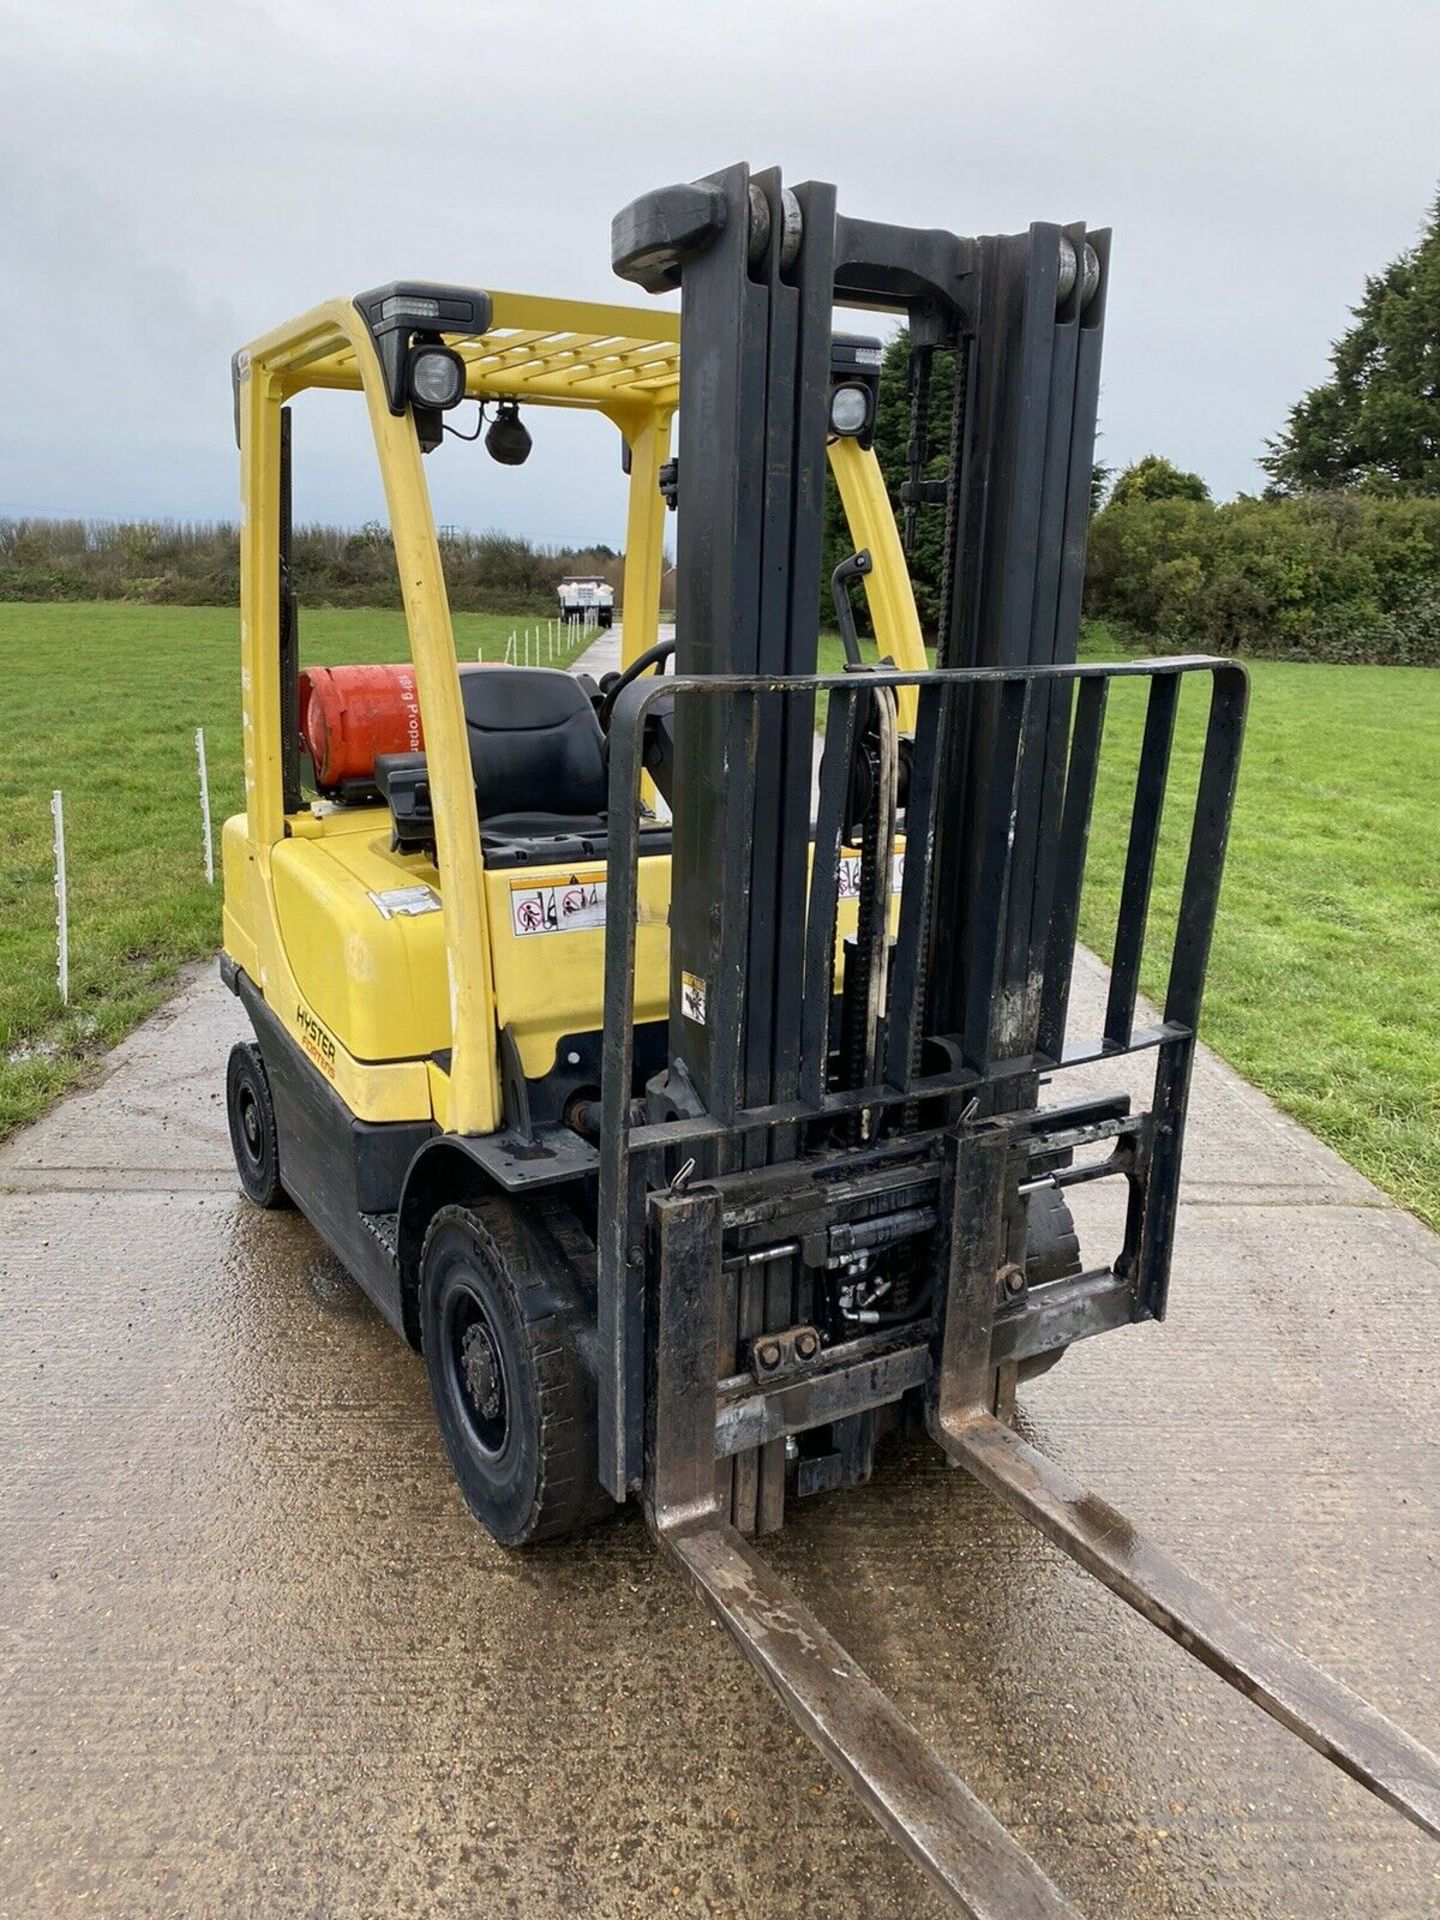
[[1376, 421], [1156, 478]]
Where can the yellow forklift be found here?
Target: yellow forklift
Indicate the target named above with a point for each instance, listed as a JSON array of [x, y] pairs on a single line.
[[678, 1061]]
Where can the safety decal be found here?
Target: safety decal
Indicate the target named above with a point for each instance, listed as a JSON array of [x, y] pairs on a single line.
[[692, 998], [405, 903], [848, 880], [564, 906]]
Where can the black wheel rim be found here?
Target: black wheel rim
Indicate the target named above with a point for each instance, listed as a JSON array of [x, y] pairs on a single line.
[[250, 1132], [475, 1367]]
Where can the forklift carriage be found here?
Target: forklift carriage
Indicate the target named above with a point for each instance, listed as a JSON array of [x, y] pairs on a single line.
[[697, 1107]]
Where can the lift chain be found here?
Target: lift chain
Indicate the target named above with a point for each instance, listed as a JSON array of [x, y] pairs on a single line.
[[919, 445], [950, 558]]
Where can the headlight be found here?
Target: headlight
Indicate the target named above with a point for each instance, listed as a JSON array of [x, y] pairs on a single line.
[[849, 409], [437, 377]]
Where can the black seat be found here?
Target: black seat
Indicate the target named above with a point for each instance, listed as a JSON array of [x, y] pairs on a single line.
[[538, 757], [537, 752]]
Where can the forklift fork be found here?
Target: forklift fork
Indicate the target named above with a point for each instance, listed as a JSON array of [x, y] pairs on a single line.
[[1324, 1713], [938, 1821], [901, 1781]]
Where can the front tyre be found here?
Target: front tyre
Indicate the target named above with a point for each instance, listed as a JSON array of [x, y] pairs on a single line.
[[1052, 1253], [513, 1402], [254, 1137]]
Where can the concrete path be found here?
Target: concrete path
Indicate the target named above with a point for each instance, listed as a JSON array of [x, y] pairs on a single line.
[[603, 653], [255, 1659]]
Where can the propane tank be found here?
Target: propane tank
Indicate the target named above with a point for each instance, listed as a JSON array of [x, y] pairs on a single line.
[[348, 715]]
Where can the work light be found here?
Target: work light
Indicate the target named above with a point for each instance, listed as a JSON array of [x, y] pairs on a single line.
[[409, 306], [508, 440], [850, 408], [436, 377], [855, 360]]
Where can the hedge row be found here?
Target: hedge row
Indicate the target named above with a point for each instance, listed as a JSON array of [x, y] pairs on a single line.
[[1347, 576], [165, 563], [1332, 576]]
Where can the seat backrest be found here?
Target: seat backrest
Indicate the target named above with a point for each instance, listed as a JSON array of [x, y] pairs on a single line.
[[535, 743]]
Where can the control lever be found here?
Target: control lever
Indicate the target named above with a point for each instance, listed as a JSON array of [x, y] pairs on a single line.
[[855, 568]]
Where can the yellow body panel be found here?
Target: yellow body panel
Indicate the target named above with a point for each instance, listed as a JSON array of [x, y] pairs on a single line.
[[365, 996], [368, 961], [550, 979], [393, 1088], [549, 952]]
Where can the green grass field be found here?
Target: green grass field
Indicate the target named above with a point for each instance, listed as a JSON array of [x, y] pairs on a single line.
[[102, 700], [1324, 985]]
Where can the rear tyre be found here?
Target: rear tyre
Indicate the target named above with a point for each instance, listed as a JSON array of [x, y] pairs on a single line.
[[514, 1404], [254, 1138]]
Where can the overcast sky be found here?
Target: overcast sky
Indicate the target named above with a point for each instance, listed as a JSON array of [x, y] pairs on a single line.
[[176, 176]]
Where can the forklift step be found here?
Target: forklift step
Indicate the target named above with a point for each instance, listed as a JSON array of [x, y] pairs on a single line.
[[902, 1782]]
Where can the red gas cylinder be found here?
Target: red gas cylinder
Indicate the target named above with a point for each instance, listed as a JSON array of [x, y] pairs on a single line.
[[350, 714]]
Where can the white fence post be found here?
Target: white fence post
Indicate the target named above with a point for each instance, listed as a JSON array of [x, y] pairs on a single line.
[[62, 899], [205, 805]]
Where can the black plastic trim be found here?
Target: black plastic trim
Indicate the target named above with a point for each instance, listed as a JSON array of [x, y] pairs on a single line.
[[457, 310], [336, 1167]]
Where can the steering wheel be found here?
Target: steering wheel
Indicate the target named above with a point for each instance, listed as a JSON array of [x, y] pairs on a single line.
[[652, 657]]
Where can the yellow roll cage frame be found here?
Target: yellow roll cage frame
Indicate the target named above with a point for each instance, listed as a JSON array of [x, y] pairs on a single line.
[[623, 362]]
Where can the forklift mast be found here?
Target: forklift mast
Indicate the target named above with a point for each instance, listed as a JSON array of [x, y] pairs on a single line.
[[955, 989], [761, 269]]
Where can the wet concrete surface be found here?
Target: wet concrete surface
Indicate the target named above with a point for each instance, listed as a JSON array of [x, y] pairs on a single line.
[[255, 1659]]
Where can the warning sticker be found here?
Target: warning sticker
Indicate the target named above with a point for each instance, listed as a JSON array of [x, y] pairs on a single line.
[[405, 903], [692, 998], [848, 879], [567, 906]]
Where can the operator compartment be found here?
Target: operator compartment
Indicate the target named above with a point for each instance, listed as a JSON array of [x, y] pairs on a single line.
[[360, 899]]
